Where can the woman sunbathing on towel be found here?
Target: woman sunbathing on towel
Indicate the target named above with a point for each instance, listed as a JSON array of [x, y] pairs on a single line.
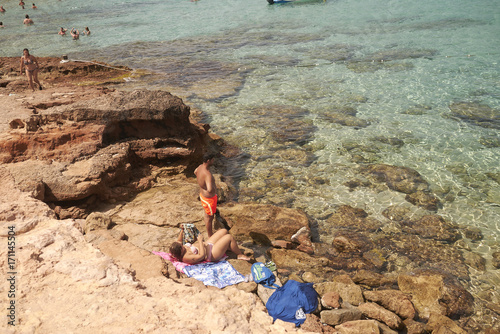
[[212, 250]]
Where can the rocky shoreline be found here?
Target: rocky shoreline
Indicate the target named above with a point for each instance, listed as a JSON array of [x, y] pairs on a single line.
[[97, 178]]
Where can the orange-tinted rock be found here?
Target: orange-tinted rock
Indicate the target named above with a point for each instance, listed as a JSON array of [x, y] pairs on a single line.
[[94, 147], [331, 299]]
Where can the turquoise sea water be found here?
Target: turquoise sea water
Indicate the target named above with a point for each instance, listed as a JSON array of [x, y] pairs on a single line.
[[398, 65]]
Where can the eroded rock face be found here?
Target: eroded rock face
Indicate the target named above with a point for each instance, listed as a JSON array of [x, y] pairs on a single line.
[[150, 120], [20, 207], [64, 181], [96, 147]]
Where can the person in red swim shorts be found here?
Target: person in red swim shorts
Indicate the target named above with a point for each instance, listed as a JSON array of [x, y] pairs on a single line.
[[208, 191]]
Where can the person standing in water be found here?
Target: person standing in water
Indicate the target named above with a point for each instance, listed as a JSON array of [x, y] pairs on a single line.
[[27, 20], [75, 34], [208, 191], [30, 64]]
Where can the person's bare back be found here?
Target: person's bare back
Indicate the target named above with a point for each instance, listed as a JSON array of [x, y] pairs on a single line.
[[206, 180]]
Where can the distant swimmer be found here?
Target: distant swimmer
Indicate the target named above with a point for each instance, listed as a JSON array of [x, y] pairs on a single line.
[[75, 34], [1, 25], [2, 10], [86, 31], [62, 31], [34, 6], [27, 20], [21, 3]]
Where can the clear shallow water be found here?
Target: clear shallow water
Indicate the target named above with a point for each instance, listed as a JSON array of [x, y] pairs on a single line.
[[398, 64]]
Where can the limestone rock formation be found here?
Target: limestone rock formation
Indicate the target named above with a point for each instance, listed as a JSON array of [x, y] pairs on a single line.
[[97, 147], [66, 284]]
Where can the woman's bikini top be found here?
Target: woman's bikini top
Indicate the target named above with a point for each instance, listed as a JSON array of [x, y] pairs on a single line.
[[28, 62], [194, 249]]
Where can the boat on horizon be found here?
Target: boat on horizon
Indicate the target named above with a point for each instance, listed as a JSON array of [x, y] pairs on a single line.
[[272, 2]]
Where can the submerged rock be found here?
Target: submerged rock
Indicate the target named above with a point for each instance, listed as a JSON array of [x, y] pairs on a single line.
[[476, 113], [335, 53], [475, 260], [424, 200], [346, 120], [495, 261], [474, 233], [372, 66], [393, 141], [417, 110], [399, 54], [351, 242], [389, 60], [286, 124], [410, 252], [396, 213], [402, 179], [432, 227], [490, 141], [347, 217], [405, 180]]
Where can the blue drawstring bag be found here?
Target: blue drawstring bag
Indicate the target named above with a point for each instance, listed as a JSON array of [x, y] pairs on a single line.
[[263, 275], [292, 302]]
